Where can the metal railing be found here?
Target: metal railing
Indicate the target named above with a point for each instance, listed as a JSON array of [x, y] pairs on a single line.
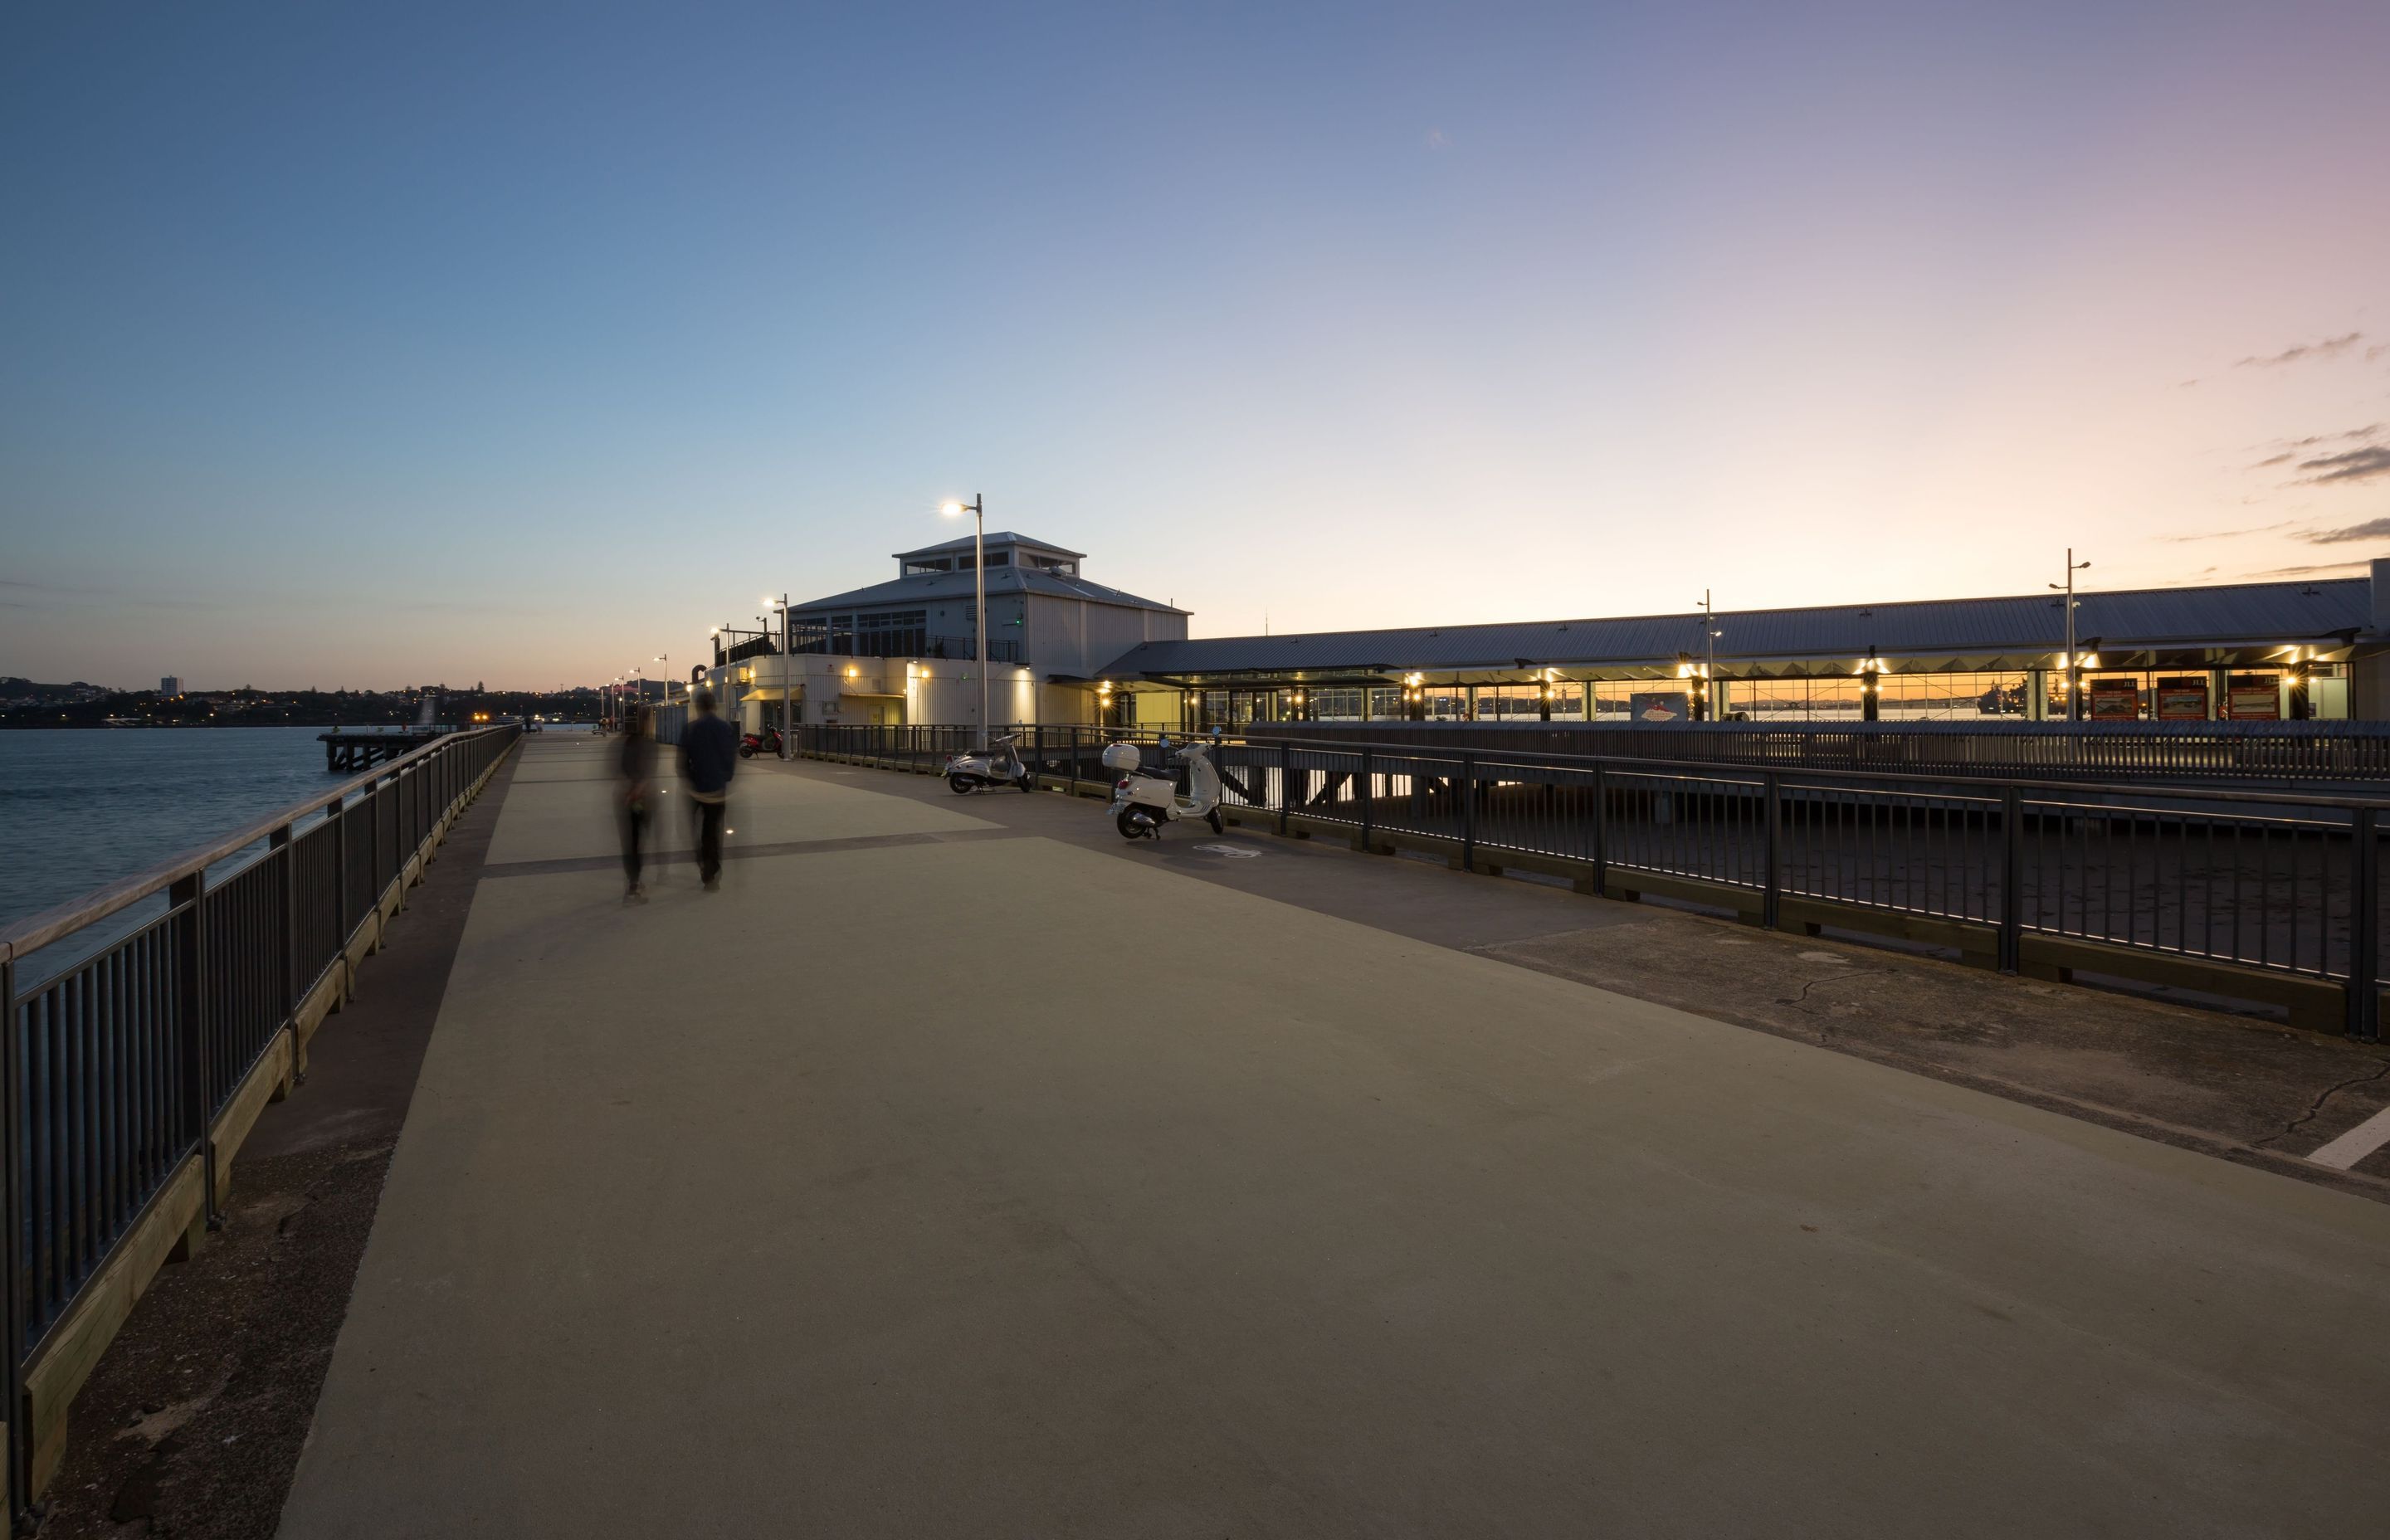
[[1000, 650], [2102, 751], [137, 1013], [2283, 885]]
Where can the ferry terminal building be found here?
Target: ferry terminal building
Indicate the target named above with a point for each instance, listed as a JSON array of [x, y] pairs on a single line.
[[1063, 649]]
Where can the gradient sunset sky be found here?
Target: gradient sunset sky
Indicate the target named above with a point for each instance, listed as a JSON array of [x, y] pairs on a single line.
[[371, 344]]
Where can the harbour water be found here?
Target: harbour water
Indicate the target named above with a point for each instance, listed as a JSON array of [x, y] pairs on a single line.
[[81, 808]]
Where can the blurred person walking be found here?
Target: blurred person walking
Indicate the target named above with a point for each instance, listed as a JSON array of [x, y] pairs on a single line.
[[635, 762], [709, 757]]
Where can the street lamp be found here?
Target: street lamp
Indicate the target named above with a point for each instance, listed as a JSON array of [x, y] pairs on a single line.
[[2074, 672], [1708, 693], [788, 682], [978, 572]]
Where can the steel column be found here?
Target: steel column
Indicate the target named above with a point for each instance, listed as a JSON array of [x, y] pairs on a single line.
[[2364, 919], [1469, 806], [191, 998], [2011, 879], [20, 1469], [1771, 895]]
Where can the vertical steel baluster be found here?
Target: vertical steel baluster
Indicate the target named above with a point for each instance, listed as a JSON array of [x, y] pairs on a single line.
[[1772, 889], [2011, 879]]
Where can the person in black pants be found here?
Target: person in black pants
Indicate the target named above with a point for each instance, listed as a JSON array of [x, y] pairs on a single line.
[[709, 757], [636, 761]]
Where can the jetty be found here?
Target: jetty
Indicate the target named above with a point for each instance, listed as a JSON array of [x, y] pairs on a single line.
[[349, 750]]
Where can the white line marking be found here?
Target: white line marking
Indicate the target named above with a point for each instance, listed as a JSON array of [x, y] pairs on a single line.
[[2356, 1144]]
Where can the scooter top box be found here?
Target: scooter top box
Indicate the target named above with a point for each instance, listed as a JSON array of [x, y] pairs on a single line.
[[1122, 756]]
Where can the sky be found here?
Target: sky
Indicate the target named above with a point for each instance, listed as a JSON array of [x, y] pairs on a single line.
[[369, 344]]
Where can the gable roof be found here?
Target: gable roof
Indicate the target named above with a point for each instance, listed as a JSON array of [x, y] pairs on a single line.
[[923, 586], [1000, 537]]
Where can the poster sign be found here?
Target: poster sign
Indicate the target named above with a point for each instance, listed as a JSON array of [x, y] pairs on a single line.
[[1659, 706], [2182, 699], [2253, 704], [2115, 699]]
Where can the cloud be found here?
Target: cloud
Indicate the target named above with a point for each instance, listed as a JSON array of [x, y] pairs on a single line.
[[2376, 351], [1436, 138], [2344, 567], [2276, 459], [2372, 528], [2227, 534], [2324, 348], [2352, 465], [2351, 436]]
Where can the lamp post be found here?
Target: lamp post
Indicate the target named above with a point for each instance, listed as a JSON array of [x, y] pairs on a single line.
[[979, 571], [788, 687], [1710, 634], [2073, 681]]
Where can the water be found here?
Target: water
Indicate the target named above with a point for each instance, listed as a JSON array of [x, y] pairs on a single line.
[[80, 808]]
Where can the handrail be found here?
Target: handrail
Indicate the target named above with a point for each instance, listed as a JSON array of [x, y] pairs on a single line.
[[1718, 769], [38, 931]]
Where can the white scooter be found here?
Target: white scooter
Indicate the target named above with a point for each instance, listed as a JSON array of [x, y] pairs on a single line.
[[1145, 799], [999, 767]]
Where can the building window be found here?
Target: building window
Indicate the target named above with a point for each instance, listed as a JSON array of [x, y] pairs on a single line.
[[893, 634]]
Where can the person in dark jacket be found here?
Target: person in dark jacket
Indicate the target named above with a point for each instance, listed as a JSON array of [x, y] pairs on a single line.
[[635, 763], [709, 757]]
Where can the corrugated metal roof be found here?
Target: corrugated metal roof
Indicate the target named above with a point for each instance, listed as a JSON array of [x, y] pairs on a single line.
[[2246, 613], [962, 585]]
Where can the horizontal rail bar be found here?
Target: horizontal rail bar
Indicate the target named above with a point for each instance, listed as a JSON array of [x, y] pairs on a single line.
[[39, 931]]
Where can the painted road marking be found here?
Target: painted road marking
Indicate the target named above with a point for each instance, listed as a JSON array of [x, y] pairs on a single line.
[[2356, 1144], [1245, 851]]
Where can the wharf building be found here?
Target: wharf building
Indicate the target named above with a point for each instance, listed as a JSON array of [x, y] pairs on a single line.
[[907, 650], [1062, 649]]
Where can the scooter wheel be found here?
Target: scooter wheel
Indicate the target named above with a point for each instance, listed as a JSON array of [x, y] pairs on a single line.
[[746, 750], [1027, 783], [1132, 827], [1219, 824], [964, 786]]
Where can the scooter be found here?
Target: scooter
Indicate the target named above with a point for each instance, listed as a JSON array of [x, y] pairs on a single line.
[[998, 766], [750, 744], [1145, 799]]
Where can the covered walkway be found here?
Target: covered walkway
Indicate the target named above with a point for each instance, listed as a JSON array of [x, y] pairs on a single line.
[[940, 1177]]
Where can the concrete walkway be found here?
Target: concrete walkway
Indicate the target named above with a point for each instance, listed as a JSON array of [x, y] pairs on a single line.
[[937, 1179]]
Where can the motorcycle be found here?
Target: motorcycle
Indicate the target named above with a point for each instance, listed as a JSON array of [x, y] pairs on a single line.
[[1001, 765], [1145, 799], [751, 744]]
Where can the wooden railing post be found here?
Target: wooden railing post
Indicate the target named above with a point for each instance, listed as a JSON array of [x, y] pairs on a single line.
[[1369, 796], [1285, 784]]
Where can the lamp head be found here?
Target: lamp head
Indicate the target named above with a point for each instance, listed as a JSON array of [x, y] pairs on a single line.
[[953, 510]]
